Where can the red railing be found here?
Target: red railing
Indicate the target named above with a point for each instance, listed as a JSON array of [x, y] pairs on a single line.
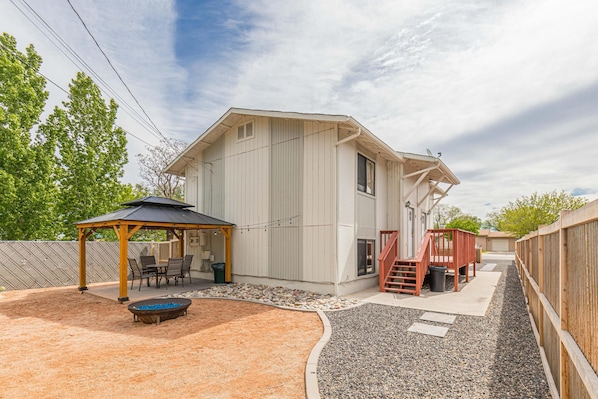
[[389, 254], [422, 260], [452, 248], [385, 236]]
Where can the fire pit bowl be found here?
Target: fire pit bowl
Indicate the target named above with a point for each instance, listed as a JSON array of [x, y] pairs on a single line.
[[159, 309]]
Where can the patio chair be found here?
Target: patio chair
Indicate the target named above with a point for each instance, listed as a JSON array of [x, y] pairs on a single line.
[[174, 270], [145, 261], [187, 267], [139, 273]]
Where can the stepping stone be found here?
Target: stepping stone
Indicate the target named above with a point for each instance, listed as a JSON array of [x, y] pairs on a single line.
[[439, 317], [488, 267], [428, 329]]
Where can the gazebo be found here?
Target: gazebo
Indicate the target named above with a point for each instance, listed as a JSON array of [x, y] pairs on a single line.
[[155, 213]]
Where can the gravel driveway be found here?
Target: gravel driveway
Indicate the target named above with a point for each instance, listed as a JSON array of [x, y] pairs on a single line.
[[371, 354]]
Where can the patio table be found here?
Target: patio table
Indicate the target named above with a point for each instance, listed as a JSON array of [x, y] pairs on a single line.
[[159, 268]]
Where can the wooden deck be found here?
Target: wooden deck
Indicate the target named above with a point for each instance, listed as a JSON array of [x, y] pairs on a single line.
[[452, 248]]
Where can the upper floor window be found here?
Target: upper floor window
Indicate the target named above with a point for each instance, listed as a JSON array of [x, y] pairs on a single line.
[[245, 131], [365, 174]]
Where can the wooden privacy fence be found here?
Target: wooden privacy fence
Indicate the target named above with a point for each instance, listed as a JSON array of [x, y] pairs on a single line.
[[558, 266], [41, 264]]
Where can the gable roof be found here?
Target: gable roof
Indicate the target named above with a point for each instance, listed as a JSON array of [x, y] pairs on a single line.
[[347, 126], [495, 234]]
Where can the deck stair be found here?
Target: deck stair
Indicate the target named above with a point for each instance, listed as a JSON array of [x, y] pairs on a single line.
[[402, 277]]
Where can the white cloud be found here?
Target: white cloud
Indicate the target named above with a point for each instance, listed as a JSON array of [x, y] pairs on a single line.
[[506, 91]]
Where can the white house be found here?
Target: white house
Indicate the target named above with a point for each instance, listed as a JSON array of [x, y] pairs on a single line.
[[309, 195]]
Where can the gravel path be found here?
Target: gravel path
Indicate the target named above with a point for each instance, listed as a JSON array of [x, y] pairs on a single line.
[[371, 354]]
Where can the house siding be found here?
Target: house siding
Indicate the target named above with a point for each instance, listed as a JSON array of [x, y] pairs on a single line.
[[213, 176], [393, 195], [247, 200], [347, 188], [319, 202], [286, 166]]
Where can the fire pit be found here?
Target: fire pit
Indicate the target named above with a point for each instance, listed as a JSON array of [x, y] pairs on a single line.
[[159, 309]]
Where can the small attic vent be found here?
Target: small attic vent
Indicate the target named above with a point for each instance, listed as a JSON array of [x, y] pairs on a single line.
[[245, 131]]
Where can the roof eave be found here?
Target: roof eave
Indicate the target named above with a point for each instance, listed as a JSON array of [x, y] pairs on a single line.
[[451, 178]]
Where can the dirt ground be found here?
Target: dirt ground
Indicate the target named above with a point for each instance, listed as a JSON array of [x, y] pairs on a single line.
[[57, 343]]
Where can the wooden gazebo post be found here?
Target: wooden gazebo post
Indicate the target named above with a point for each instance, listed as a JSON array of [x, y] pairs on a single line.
[[82, 261], [227, 233], [124, 253], [82, 258]]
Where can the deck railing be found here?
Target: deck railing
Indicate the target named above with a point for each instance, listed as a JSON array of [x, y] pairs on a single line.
[[423, 260], [558, 267], [385, 235], [389, 253], [452, 248]]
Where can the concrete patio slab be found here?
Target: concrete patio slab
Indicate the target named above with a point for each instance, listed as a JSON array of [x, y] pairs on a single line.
[[428, 329], [473, 299], [110, 290], [438, 317]]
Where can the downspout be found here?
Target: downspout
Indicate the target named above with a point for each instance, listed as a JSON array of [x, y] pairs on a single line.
[[336, 268], [401, 213]]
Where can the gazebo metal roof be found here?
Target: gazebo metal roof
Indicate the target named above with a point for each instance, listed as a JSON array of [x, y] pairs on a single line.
[[156, 211]]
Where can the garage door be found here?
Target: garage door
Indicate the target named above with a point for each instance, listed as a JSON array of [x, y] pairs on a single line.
[[500, 245]]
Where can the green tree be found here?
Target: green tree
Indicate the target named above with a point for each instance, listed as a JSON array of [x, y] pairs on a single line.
[[152, 165], [491, 221], [28, 191], [91, 155], [443, 214], [525, 214], [465, 223]]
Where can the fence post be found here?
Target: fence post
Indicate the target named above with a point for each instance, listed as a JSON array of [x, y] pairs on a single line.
[[540, 286], [563, 308]]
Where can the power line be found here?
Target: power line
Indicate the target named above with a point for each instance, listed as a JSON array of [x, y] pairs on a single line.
[[72, 56], [65, 91], [114, 69]]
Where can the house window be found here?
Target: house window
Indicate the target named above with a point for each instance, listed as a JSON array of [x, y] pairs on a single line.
[[365, 257], [245, 131], [365, 174]]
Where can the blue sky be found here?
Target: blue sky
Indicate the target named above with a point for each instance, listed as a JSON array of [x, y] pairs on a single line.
[[507, 91]]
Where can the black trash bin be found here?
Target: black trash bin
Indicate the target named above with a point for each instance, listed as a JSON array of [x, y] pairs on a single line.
[[218, 272], [437, 274]]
